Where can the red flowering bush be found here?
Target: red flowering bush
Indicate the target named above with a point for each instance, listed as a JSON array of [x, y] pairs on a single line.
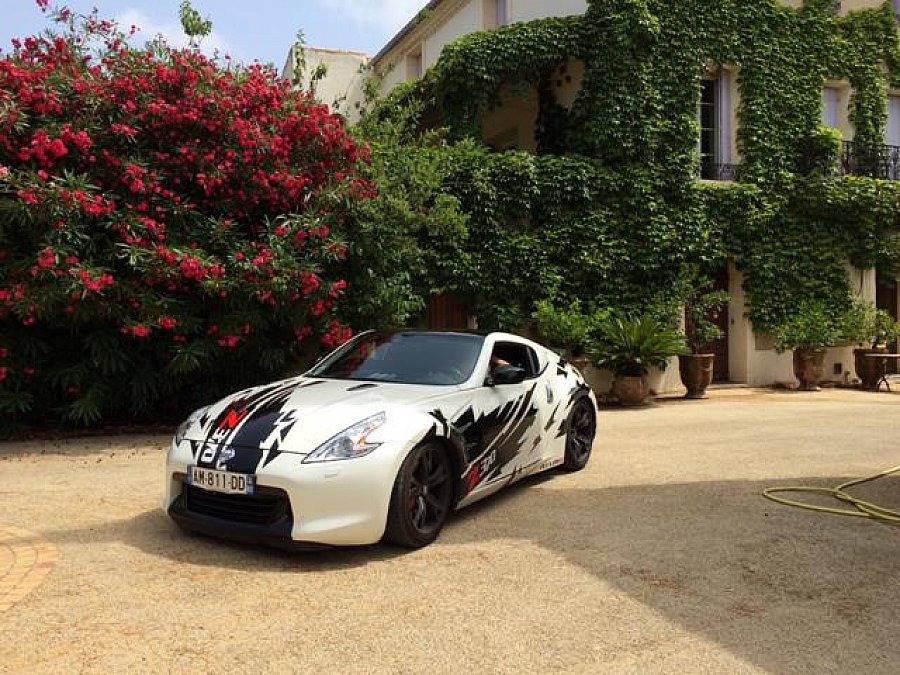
[[168, 226]]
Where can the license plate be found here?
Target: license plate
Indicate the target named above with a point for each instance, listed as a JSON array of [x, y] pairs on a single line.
[[225, 482]]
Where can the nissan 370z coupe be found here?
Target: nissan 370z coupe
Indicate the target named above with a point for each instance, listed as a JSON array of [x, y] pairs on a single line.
[[381, 440]]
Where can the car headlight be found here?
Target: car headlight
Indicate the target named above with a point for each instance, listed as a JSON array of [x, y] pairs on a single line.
[[182, 429], [352, 442]]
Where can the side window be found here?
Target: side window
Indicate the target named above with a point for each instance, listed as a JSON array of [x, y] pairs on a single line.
[[518, 355]]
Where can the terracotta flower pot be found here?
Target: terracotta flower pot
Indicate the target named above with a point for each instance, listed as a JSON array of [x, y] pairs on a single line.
[[696, 373], [580, 363], [868, 370], [630, 391], [809, 368]]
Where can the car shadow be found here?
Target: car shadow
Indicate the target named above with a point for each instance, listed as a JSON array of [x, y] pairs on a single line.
[[154, 533]]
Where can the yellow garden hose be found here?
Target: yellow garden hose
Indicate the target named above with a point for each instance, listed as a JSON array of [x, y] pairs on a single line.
[[863, 509]]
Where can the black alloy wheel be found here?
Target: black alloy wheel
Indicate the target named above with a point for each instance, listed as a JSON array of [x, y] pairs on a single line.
[[582, 426], [422, 497]]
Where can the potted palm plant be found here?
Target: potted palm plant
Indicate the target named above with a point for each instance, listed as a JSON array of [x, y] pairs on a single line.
[[807, 333], [629, 346], [701, 308]]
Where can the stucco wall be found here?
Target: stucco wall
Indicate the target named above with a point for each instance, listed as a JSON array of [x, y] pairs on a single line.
[[342, 83], [851, 5], [512, 124], [753, 360], [468, 19], [526, 10]]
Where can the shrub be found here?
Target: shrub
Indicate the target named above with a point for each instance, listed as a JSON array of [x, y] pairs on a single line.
[[567, 328], [811, 327], [169, 226]]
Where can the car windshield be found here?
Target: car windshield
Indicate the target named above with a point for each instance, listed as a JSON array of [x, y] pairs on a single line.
[[406, 358]]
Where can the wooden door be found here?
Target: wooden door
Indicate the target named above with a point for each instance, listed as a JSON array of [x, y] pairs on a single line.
[[720, 318], [447, 312]]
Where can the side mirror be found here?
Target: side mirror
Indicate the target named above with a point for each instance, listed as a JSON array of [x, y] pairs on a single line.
[[507, 375]]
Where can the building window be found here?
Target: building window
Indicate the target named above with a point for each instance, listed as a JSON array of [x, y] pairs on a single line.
[[502, 12], [496, 13], [893, 121], [714, 116], [831, 99], [892, 152], [708, 128], [414, 65]]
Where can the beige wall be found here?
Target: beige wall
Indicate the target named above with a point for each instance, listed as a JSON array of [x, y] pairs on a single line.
[[455, 18], [468, 18], [342, 83], [751, 357], [851, 5], [512, 124], [526, 10]]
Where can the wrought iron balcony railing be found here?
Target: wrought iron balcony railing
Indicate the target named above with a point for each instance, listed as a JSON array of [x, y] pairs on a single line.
[[879, 161]]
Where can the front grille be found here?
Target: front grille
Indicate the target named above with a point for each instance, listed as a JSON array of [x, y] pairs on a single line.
[[266, 507]]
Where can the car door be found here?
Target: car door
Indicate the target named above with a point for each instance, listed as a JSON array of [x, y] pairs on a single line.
[[502, 428]]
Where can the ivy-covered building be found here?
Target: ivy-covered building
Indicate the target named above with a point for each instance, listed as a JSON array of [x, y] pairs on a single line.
[[663, 135]]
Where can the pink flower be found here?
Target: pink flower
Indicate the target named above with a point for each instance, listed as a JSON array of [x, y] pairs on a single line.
[[167, 322], [136, 331], [47, 259], [229, 341]]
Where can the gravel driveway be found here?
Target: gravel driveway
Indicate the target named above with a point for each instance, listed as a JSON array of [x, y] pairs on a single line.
[[660, 557]]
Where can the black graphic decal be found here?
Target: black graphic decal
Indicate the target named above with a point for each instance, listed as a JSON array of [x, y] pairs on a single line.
[[495, 438], [509, 446], [233, 440], [552, 417], [439, 416], [360, 387]]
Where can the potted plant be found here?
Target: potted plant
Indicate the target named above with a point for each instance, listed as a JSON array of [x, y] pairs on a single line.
[[807, 333], [874, 328], [701, 308], [629, 346]]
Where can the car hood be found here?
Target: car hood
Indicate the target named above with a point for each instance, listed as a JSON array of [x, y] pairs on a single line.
[[299, 414]]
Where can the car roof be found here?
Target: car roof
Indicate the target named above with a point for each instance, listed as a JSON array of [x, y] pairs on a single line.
[[461, 331]]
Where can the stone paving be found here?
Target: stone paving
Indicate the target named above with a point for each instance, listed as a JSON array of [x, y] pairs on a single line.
[[25, 560]]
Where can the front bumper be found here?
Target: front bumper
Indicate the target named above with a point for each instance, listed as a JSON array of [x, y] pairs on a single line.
[[331, 504], [276, 533]]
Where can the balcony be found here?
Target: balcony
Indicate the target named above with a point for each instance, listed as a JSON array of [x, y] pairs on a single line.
[[880, 161]]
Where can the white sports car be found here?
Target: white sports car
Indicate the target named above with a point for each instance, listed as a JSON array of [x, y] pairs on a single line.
[[379, 441]]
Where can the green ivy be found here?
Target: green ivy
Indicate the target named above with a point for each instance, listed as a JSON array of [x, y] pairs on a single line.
[[615, 215]]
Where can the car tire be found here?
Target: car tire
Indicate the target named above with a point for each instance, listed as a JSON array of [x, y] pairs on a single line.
[[581, 427], [422, 497]]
